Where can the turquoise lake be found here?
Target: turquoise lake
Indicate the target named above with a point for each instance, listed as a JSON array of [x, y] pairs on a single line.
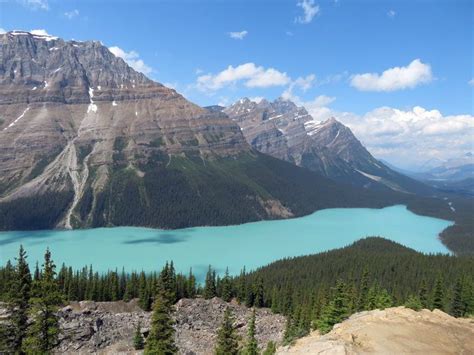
[[251, 244]]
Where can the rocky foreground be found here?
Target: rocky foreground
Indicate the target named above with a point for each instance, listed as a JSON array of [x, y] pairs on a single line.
[[392, 331], [108, 327]]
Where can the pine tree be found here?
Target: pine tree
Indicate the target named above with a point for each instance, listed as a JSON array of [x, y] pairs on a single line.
[[227, 342], [438, 294], [363, 291], [413, 302], [258, 293], [43, 332], [138, 342], [336, 310], [251, 348], [457, 305], [423, 295], [210, 284], [144, 294], [17, 305], [226, 287], [160, 341], [191, 284]]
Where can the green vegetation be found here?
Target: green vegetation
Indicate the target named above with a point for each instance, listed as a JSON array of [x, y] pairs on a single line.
[[227, 339], [39, 212], [138, 341], [313, 292]]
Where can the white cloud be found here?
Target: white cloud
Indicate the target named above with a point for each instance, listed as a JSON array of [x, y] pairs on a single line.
[[35, 4], [305, 83], [251, 75], [309, 11], [238, 35], [406, 138], [391, 13], [132, 58], [471, 82], [397, 78], [40, 33], [71, 14], [2, 31]]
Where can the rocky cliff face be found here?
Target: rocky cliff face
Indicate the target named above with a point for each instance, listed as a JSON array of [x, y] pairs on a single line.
[[108, 327], [86, 141], [288, 132], [391, 331]]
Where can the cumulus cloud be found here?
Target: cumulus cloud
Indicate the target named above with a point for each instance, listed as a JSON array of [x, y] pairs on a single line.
[[71, 14], [406, 138], [305, 83], [397, 78], [132, 58], [251, 75], [310, 9], [2, 31], [35, 4], [391, 13], [238, 35]]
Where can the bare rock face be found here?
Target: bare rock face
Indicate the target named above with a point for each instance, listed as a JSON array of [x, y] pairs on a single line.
[[76, 121], [392, 331], [108, 327], [288, 132]]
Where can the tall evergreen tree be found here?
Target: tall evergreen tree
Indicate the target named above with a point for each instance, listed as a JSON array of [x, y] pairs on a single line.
[[160, 341], [363, 291], [457, 305], [259, 293], [18, 306], [210, 286], [226, 287], [251, 348], [438, 294], [191, 285], [227, 341], [138, 342], [44, 330]]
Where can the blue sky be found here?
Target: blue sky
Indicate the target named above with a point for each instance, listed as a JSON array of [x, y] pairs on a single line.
[[336, 57]]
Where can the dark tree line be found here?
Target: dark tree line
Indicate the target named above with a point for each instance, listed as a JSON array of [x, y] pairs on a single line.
[[313, 292]]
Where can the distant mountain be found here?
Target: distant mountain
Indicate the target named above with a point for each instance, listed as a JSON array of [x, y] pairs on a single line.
[[454, 169], [286, 131], [86, 141]]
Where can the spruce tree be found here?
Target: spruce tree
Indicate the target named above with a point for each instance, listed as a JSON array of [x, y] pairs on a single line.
[[413, 302], [44, 330], [258, 293], [210, 284], [226, 287], [363, 291], [251, 348], [227, 341], [423, 295], [457, 305], [18, 306], [438, 294], [160, 341], [191, 284], [138, 342]]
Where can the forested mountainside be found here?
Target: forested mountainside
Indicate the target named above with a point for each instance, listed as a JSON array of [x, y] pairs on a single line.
[[313, 292], [86, 141], [286, 131]]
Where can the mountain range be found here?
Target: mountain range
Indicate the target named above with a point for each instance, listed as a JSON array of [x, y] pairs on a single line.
[[86, 141], [288, 132]]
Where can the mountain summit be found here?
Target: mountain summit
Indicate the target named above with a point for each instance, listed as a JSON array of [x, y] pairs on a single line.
[[86, 141], [286, 131]]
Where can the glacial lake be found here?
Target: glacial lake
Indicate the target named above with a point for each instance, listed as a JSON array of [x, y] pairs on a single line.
[[251, 244]]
